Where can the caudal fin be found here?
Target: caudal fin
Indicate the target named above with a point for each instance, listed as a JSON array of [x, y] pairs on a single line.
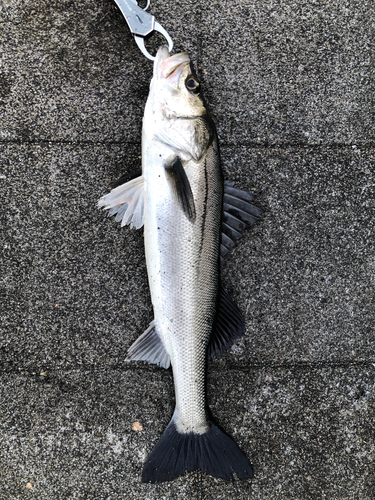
[[212, 452]]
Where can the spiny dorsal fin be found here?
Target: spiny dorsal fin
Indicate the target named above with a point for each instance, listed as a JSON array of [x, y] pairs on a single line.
[[228, 327], [128, 202], [238, 215], [181, 189]]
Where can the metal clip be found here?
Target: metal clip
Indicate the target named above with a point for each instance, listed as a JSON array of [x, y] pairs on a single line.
[[141, 24]]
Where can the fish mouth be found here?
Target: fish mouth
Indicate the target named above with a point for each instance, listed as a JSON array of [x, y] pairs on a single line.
[[169, 67]]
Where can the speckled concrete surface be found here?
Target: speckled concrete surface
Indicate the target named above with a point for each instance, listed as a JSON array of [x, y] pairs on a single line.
[[291, 87], [70, 434], [302, 71]]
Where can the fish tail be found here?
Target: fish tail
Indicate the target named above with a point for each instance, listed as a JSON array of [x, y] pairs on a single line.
[[212, 452]]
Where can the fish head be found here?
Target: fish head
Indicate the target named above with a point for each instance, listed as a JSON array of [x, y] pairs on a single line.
[[175, 111], [176, 88]]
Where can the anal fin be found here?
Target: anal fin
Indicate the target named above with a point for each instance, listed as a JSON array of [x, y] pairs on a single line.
[[149, 347], [228, 327]]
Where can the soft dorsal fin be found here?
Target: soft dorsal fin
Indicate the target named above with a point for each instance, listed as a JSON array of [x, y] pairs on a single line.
[[127, 200], [228, 327], [238, 215], [181, 189]]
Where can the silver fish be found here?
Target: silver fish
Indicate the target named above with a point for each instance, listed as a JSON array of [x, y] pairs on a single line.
[[179, 199]]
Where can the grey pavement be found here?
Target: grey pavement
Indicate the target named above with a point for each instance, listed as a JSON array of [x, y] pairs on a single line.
[[291, 87]]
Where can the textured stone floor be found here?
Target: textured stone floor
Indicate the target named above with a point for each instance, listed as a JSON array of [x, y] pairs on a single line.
[[291, 88]]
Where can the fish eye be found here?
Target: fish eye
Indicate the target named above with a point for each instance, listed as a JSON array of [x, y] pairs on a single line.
[[192, 85]]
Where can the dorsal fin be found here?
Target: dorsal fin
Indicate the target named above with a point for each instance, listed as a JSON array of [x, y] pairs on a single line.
[[238, 215], [228, 327]]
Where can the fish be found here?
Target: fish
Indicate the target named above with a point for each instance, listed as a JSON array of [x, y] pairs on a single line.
[[191, 218]]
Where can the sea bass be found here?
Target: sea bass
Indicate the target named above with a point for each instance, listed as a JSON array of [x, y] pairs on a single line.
[[191, 217]]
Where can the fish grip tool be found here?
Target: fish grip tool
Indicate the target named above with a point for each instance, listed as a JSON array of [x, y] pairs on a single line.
[[141, 24]]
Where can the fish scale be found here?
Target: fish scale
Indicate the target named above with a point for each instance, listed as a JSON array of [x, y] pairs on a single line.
[[182, 265]]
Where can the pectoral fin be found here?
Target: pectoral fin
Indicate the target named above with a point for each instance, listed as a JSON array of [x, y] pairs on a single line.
[[127, 201], [180, 187]]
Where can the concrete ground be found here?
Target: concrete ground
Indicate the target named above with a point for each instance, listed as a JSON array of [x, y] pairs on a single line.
[[291, 87]]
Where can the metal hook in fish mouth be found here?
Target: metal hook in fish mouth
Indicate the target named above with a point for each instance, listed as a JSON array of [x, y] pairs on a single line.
[[140, 41], [141, 24]]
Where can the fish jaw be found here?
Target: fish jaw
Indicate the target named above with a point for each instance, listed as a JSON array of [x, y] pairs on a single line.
[[169, 68]]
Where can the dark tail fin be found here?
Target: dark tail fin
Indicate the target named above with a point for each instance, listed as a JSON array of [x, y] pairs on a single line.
[[212, 452]]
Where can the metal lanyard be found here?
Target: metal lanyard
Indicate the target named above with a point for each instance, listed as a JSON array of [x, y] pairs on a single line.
[[141, 24]]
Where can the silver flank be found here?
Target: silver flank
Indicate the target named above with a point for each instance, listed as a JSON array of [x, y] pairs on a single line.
[[182, 264]]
